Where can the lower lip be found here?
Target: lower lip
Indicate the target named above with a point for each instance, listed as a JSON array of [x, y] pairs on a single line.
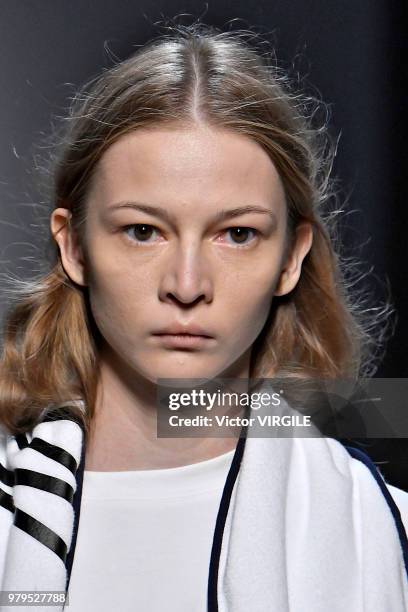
[[182, 340]]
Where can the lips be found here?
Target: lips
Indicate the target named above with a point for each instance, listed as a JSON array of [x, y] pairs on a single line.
[[183, 337], [176, 329]]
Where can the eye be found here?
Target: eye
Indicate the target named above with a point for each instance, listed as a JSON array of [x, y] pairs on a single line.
[[241, 235], [140, 232]]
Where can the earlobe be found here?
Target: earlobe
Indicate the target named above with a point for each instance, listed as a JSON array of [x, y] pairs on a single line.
[[292, 269], [70, 251]]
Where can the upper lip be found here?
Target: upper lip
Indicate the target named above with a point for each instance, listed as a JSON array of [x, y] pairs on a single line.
[[178, 328]]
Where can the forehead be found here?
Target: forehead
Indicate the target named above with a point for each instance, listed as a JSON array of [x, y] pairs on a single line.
[[187, 167]]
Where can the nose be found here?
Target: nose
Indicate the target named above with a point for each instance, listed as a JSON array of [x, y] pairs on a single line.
[[187, 277]]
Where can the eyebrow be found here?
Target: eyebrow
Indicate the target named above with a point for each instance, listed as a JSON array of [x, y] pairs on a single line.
[[222, 215]]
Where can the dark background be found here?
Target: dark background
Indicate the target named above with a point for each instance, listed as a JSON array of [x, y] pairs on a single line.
[[352, 53]]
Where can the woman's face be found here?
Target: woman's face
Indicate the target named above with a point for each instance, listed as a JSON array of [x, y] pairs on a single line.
[[186, 231]]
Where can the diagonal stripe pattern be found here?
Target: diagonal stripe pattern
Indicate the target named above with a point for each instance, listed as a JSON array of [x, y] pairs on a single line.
[[42, 462]]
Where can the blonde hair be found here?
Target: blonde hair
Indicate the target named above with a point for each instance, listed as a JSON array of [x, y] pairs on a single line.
[[188, 74]]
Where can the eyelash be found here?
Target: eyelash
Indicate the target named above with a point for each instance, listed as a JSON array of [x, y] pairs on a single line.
[[254, 231]]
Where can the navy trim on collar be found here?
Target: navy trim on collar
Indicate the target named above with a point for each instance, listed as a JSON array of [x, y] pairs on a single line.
[[361, 456], [77, 511], [212, 591]]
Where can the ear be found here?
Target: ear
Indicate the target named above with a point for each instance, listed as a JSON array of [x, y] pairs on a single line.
[[291, 270], [71, 253]]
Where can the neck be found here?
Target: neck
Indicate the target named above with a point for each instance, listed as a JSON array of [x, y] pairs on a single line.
[[124, 429]]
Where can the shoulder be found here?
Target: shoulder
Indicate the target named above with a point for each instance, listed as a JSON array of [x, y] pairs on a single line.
[[401, 500], [365, 471]]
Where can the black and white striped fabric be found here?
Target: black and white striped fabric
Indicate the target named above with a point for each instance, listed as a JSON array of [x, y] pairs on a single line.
[[38, 479], [304, 524]]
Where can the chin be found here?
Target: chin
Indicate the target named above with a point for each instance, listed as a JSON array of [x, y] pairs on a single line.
[[182, 367]]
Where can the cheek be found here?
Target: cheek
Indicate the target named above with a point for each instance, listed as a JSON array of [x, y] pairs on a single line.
[[250, 297], [118, 299]]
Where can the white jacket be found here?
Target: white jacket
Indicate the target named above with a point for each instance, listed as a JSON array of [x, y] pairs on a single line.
[[304, 524]]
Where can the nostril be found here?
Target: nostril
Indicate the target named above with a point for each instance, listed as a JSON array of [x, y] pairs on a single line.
[[185, 302]]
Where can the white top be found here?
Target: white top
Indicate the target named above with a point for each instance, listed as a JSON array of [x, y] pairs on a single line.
[[144, 538]]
